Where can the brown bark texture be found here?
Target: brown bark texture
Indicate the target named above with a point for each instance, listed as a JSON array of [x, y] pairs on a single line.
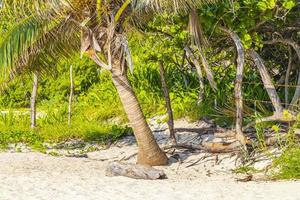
[[149, 153]]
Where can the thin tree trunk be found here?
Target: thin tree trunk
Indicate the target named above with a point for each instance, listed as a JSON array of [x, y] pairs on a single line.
[[149, 152], [199, 72], [238, 86], [267, 81], [182, 70], [168, 102], [296, 94], [33, 101], [71, 95], [297, 91], [287, 78]]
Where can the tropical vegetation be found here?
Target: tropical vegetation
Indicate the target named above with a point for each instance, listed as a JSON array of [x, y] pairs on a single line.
[[235, 62]]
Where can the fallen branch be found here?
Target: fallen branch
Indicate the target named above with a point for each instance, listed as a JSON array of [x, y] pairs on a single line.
[[276, 117], [197, 161], [211, 147], [198, 130]]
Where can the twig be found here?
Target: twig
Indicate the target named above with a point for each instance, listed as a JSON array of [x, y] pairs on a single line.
[[197, 161]]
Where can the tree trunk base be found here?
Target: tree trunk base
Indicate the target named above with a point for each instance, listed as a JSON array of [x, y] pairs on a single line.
[[158, 159]]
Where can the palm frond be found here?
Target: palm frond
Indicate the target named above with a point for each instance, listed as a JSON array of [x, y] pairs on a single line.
[[61, 42], [169, 5], [28, 36], [19, 39]]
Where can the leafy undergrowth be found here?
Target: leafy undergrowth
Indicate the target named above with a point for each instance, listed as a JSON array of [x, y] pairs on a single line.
[[15, 129], [288, 164]]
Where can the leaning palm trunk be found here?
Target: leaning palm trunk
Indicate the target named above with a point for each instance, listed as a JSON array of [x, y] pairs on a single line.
[[149, 152]]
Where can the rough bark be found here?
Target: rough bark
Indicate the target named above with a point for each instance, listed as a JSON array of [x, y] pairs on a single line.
[[134, 171], [267, 81], [33, 101], [71, 95], [238, 85], [149, 152], [168, 102]]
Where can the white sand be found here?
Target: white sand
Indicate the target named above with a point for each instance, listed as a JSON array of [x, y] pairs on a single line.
[[26, 176], [37, 176]]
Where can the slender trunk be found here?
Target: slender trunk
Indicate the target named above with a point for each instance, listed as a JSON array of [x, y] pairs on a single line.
[[238, 86], [287, 78], [149, 152], [33, 101], [168, 102], [296, 94], [267, 81], [71, 95], [182, 70]]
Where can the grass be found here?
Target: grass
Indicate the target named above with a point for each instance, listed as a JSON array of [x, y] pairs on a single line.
[[245, 169], [15, 129], [287, 166]]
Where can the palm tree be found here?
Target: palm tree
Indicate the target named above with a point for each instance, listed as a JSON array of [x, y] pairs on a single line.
[[52, 29]]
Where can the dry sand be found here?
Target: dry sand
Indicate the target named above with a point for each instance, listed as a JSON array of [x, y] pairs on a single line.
[[38, 176]]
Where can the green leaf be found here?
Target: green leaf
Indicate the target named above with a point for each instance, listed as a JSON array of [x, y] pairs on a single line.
[[271, 4], [289, 4], [262, 5]]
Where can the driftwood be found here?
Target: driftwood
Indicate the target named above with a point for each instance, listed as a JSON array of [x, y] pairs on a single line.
[[199, 130], [211, 147], [222, 147], [134, 171]]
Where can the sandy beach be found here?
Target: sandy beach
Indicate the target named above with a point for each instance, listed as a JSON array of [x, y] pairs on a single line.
[[35, 176], [190, 175]]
